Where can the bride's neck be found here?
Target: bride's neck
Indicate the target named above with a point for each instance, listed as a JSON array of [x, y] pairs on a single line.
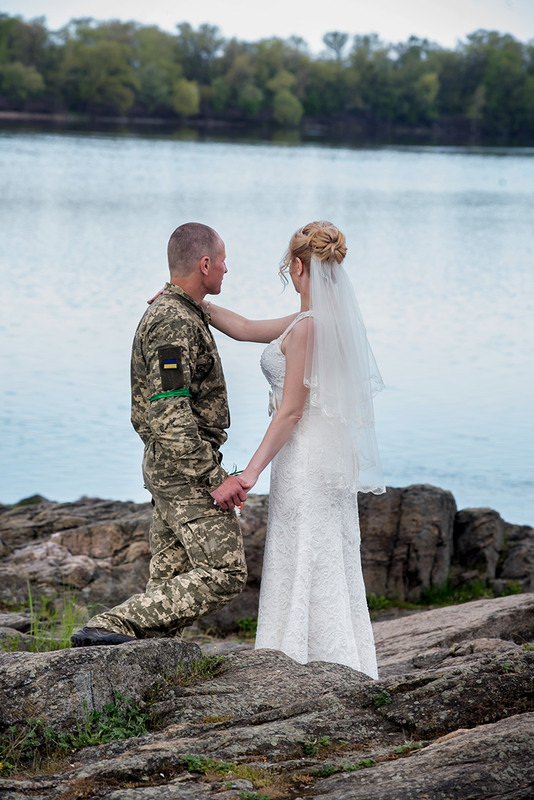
[[304, 301]]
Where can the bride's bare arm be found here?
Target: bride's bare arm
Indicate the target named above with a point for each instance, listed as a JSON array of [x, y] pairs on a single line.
[[243, 329], [283, 422]]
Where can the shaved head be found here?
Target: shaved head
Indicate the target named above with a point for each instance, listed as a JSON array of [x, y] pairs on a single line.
[[188, 244]]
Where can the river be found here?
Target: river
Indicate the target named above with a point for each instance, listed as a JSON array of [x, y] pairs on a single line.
[[441, 254]]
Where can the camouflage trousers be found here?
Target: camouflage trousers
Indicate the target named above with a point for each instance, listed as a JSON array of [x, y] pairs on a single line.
[[197, 566]]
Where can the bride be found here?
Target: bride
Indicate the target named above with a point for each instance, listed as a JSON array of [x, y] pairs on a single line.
[[323, 451]]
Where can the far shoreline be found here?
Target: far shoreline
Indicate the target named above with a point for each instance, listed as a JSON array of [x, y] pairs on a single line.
[[344, 130]]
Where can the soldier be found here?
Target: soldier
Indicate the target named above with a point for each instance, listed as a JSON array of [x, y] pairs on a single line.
[[180, 411]]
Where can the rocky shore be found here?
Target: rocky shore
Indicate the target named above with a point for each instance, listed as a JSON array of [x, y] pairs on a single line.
[[413, 539], [450, 718]]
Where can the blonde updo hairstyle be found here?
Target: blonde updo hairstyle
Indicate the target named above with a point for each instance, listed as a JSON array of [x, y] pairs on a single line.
[[320, 239]]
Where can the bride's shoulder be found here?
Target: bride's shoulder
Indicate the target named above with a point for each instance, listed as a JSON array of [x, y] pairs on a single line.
[[297, 334]]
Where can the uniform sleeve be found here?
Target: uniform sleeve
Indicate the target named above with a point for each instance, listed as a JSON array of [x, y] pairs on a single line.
[[170, 353]]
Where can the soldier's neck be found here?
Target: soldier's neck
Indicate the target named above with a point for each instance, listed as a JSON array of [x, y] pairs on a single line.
[[190, 287]]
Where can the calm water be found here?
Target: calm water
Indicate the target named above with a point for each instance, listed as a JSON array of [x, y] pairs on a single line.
[[441, 251]]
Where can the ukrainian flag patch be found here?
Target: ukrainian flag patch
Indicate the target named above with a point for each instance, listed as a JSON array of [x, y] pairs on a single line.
[[170, 368]]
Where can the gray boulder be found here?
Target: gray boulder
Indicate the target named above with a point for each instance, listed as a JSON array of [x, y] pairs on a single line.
[[63, 686], [478, 540], [458, 727], [412, 539], [492, 761]]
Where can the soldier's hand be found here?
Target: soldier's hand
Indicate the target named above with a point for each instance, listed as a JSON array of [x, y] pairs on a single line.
[[230, 493]]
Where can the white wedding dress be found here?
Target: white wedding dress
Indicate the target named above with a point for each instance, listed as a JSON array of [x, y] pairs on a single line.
[[312, 601]]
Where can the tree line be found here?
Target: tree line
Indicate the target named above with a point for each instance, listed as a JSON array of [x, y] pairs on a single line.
[[485, 84]]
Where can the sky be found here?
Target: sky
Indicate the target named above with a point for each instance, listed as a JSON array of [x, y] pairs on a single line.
[[441, 21]]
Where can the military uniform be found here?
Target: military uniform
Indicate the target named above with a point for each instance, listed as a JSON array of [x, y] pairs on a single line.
[[180, 411]]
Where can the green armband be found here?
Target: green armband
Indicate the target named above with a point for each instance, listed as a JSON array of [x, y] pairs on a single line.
[[175, 393]]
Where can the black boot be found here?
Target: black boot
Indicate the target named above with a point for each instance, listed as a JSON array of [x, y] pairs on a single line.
[[87, 637]]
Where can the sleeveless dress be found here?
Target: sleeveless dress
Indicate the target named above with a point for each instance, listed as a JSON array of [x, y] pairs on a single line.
[[312, 599]]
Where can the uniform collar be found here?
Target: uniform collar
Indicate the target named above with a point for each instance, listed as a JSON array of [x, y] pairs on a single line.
[[178, 292]]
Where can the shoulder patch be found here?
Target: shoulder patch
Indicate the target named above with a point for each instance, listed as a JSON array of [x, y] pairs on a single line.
[[170, 368]]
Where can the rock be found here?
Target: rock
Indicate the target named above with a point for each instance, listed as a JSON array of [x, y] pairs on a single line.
[[478, 540], [518, 556], [407, 540], [462, 728], [434, 635], [19, 622], [61, 686], [494, 687], [100, 548], [492, 761]]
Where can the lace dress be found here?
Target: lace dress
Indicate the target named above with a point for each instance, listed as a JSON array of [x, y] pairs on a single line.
[[312, 601]]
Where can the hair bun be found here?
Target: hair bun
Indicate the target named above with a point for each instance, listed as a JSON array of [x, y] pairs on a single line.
[[326, 242], [320, 239]]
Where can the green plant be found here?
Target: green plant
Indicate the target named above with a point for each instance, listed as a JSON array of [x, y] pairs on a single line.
[[10, 644], [203, 669], [513, 587], [449, 594], [118, 720], [247, 626], [51, 627], [30, 745], [408, 747], [36, 744], [311, 746], [198, 763], [254, 796], [528, 646], [377, 603], [29, 501], [383, 698], [324, 772], [363, 764], [210, 766]]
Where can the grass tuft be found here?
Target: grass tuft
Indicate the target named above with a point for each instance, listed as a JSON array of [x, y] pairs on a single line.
[[247, 627], [52, 623], [203, 669]]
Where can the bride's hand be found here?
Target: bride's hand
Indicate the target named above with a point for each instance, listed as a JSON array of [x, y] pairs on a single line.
[[246, 481]]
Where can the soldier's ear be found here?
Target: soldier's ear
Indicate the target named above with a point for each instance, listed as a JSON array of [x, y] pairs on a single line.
[[205, 265]]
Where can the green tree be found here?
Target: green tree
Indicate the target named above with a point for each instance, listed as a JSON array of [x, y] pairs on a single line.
[[221, 94], [326, 89], [497, 68], [250, 99], [373, 77], [416, 86], [21, 41], [197, 50], [186, 98], [157, 70], [98, 77], [287, 108], [18, 82], [336, 42]]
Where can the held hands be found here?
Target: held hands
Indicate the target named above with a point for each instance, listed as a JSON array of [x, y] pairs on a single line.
[[232, 492]]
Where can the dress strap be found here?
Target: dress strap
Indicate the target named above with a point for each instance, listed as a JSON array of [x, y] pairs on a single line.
[[302, 315]]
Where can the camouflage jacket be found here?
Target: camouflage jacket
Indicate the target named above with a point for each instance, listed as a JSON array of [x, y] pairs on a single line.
[[179, 396]]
